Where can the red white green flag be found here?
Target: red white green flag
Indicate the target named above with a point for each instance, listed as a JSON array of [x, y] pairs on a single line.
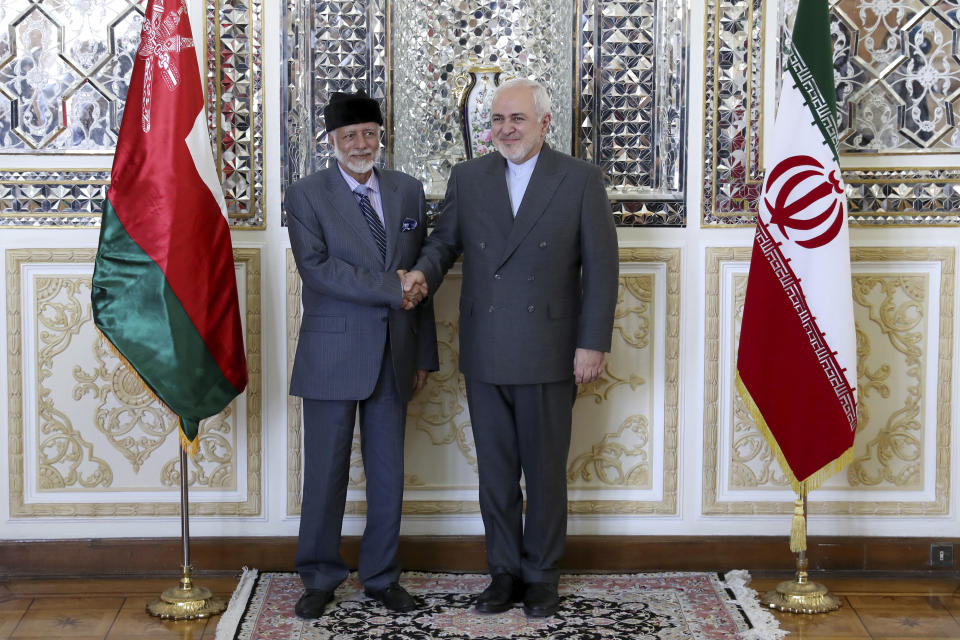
[[796, 366], [164, 287]]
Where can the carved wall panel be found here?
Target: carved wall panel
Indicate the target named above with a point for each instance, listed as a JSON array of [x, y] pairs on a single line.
[[903, 309], [896, 90], [623, 454], [86, 437], [64, 71]]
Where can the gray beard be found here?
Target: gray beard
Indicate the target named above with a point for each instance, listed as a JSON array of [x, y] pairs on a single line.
[[355, 165]]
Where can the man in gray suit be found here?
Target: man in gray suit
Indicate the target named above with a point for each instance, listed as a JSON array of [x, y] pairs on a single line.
[[362, 346], [539, 292]]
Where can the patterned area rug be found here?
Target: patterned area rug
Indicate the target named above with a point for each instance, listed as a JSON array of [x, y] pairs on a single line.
[[643, 606]]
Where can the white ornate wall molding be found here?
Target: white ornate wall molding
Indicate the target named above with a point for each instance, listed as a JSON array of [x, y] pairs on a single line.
[[904, 312], [86, 438]]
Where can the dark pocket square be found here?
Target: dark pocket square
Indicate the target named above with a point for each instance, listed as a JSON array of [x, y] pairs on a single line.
[[409, 224]]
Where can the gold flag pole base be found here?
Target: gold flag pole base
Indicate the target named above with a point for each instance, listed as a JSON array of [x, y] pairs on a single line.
[[186, 601], [800, 596]]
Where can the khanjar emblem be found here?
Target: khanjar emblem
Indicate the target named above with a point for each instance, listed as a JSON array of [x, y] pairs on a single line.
[[801, 195], [157, 41]]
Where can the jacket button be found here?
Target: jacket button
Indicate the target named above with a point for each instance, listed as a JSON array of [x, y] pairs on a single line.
[[530, 278], [490, 310], [543, 244], [497, 276], [483, 245], [531, 308]]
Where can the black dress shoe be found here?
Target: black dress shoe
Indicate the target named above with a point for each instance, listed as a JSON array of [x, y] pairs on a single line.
[[393, 597], [313, 603], [503, 591], [541, 600]]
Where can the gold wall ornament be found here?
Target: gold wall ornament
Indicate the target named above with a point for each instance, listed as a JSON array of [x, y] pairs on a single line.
[[620, 459], [632, 319], [896, 306], [127, 414], [66, 458], [49, 290]]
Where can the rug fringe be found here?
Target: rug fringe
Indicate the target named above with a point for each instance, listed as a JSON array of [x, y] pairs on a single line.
[[230, 620], [765, 625]]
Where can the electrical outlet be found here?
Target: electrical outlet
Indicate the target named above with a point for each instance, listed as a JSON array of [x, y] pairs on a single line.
[[941, 555]]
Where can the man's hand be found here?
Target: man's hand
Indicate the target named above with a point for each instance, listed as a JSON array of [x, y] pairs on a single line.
[[420, 381], [414, 287], [413, 293], [587, 365]]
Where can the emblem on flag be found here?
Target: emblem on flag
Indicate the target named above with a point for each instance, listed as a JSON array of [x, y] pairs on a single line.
[[158, 40], [806, 197]]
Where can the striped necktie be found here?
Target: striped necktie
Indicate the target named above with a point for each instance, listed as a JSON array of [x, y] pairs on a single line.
[[373, 220]]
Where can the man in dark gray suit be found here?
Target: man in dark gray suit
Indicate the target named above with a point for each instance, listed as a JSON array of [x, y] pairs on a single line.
[[362, 346], [539, 292]]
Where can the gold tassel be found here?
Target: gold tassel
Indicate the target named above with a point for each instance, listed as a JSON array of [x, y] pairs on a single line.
[[190, 447], [798, 530]]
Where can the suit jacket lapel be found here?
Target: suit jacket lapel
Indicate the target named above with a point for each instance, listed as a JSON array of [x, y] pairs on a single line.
[[390, 198], [345, 204], [543, 184]]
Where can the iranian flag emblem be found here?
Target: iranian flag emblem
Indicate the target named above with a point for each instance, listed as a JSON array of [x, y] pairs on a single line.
[[796, 366], [164, 286]]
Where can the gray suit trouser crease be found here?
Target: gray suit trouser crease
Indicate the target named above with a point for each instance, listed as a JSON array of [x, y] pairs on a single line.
[[328, 438], [523, 428]]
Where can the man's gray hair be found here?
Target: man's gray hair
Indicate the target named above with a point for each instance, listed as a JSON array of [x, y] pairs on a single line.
[[541, 99]]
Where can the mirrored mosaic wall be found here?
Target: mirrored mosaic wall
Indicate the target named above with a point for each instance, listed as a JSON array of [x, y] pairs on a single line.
[[898, 83], [64, 71], [432, 46], [626, 117]]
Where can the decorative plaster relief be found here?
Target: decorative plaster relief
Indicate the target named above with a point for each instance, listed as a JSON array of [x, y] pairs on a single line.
[[86, 436]]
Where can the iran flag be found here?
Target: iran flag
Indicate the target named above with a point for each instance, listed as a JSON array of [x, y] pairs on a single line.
[[797, 365], [164, 287]]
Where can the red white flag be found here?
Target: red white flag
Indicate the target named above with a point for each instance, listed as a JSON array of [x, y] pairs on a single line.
[[797, 366]]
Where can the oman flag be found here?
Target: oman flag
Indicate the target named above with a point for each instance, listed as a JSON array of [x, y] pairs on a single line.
[[797, 365], [164, 288]]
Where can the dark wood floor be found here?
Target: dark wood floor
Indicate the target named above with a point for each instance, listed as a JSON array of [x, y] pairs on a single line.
[[84, 609]]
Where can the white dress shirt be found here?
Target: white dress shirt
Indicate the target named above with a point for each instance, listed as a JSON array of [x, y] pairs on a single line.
[[518, 177]]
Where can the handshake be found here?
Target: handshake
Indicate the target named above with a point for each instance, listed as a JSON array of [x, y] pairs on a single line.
[[414, 288]]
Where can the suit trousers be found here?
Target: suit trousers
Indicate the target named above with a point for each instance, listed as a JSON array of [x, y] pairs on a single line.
[[523, 428], [328, 438]]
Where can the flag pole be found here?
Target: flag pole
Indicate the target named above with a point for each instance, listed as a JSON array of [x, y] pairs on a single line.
[[186, 601], [800, 595]]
